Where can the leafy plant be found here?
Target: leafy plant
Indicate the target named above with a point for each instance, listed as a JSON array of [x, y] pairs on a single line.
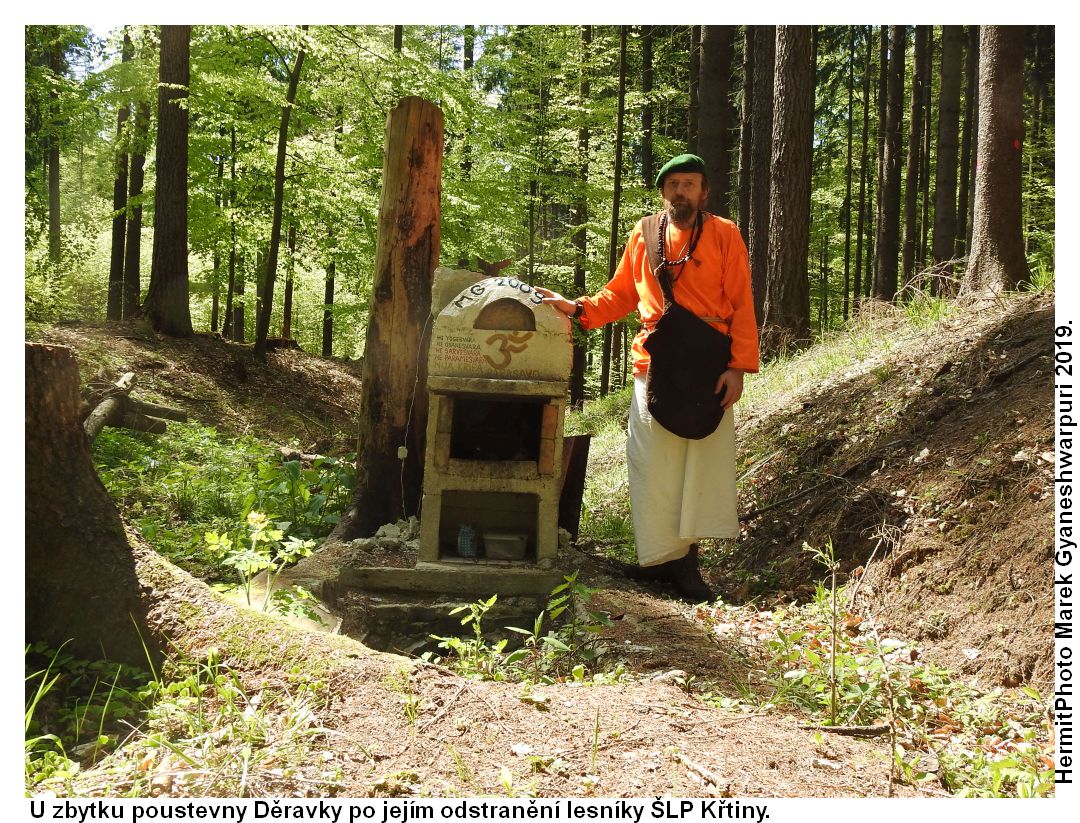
[[567, 649], [266, 549]]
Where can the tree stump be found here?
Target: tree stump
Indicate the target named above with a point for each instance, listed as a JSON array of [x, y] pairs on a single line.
[[394, 403], [81, 584]]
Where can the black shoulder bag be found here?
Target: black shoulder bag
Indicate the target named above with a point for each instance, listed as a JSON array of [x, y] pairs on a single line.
[[686, 355]]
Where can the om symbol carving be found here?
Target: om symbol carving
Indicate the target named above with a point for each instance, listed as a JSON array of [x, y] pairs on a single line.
[[508, 345]]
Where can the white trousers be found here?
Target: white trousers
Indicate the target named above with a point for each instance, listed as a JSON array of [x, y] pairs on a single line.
[[680, 490]]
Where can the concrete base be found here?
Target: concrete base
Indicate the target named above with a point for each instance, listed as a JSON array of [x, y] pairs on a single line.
[[470, 580]]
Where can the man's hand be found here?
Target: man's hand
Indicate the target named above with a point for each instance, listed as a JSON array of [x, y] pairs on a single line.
[[731, 383], [567, 307]]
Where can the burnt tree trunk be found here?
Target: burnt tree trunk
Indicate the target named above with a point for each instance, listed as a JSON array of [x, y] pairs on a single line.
[[394, 404], [997, 261], [760, 163], [266, 297], [787, 299], [81, 584], [714, 118], [166, 303]]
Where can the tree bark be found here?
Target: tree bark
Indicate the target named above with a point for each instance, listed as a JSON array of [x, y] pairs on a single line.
[[760, 163], [888, 245], [963, 200], [287, 303], [952, 48], [997, 261], [581, 220], [787, 300], [239, 320], [328, 308], [133, 233], [80, 580], [166, 303], [394, 403], [914, 156], [114, 309], [266, 301], [746, 133], [715, 121]]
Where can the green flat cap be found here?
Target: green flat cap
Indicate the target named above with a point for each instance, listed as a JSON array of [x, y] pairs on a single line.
[[684, 162]]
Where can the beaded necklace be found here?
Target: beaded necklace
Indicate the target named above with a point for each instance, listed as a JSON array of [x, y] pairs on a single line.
[[695, 235]]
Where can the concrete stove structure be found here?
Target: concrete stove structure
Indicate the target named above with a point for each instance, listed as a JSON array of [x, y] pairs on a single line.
[[498, 371]]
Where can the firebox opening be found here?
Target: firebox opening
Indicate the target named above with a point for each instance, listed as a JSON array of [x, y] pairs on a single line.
[[489, 525], [485, 429]]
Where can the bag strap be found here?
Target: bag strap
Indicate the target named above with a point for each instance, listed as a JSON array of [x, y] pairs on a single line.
[[650, 230]]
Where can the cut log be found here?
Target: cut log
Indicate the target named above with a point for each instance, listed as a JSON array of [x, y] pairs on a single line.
[[80, 574], [111, 408], [155, 410]]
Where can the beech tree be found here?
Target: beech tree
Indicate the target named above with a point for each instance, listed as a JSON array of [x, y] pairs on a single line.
[[166, 303]]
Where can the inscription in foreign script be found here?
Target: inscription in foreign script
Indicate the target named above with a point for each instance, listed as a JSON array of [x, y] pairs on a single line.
[[507, 346]]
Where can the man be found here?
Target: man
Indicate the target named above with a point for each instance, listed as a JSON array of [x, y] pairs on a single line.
[[681, 490]]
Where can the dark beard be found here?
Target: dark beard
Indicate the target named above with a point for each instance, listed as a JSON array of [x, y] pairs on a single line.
[[680, 212]]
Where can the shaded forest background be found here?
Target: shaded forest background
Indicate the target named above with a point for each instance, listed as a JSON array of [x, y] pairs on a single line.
[[847, 155]]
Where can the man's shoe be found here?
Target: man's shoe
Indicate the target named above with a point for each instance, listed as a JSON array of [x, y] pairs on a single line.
[[685, 575], [645, 574]]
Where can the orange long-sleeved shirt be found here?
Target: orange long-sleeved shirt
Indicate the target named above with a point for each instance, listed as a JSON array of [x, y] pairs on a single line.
[[715, 283]]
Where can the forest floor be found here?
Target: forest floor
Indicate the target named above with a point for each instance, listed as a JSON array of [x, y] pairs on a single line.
[[923, 450]]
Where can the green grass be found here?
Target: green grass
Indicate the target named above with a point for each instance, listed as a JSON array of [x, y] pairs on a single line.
[[178, 486], [201, 728]]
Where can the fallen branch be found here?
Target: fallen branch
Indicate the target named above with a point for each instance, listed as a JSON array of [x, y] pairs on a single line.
[[110, 408], [120, 409], [445, 707], [705, 774], [849, 731], [156, 410]]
